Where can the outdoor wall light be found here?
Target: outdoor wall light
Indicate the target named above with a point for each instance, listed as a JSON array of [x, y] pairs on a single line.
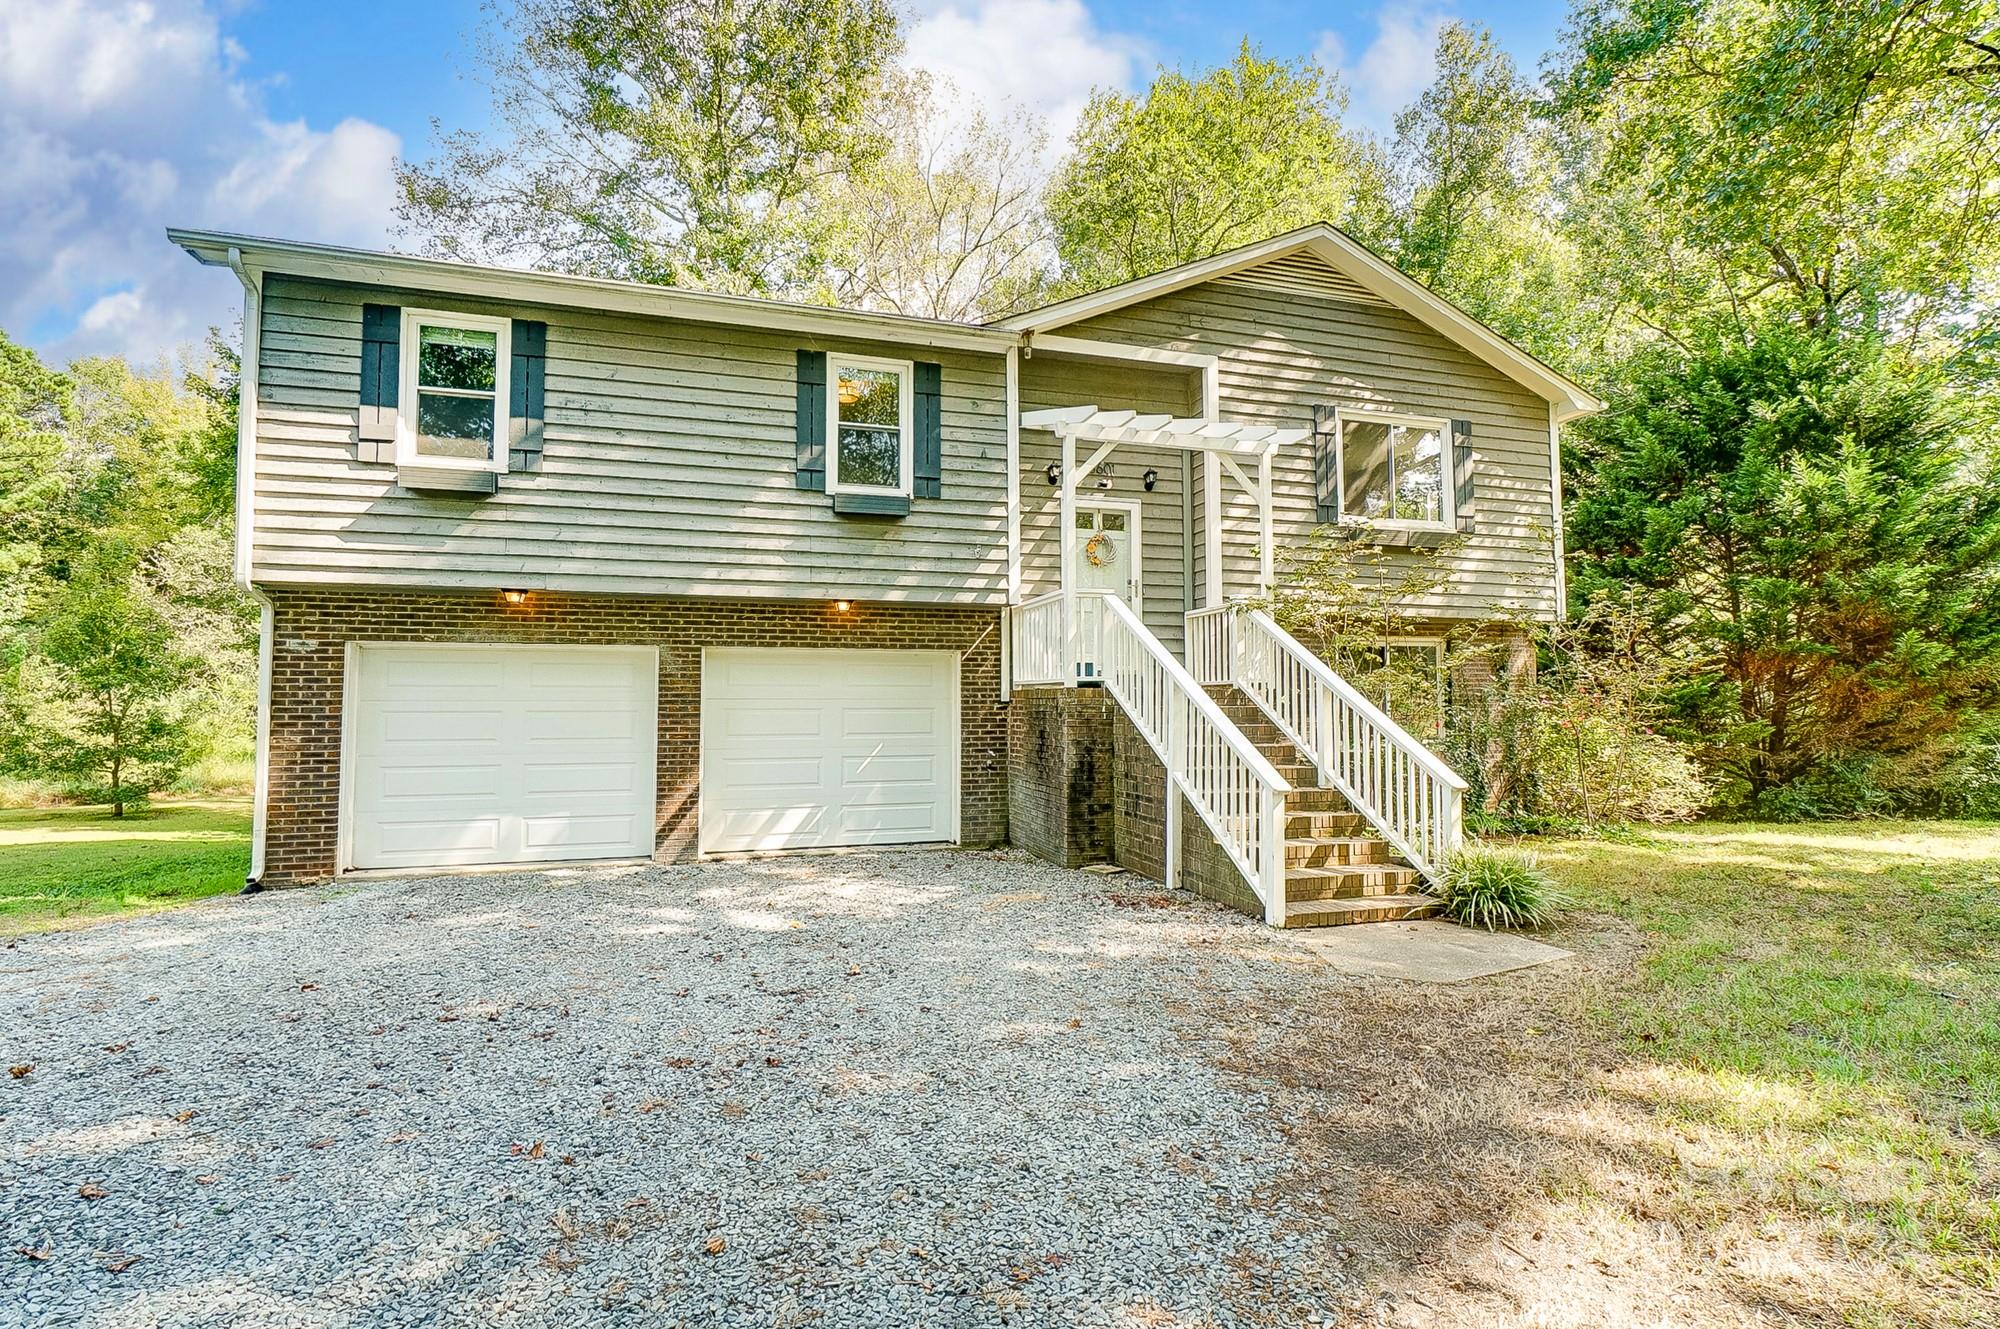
[[842, 606], [1055, 473], [1152, 477], [514, 598]]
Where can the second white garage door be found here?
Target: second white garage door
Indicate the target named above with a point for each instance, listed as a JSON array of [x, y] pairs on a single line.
[[810, 749]]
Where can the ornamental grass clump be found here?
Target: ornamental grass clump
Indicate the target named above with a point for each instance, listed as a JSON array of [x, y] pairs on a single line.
[[1490, 889]]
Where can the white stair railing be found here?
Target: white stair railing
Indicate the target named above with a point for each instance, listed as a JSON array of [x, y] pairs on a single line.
[[1405, 790], [1232, 787]]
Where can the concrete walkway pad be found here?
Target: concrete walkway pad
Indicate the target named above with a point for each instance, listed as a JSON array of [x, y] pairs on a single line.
[[1427, 950]]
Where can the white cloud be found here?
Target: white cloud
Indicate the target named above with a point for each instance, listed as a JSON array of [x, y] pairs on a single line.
[[121, 117], [1398, 63], [1044, 56]]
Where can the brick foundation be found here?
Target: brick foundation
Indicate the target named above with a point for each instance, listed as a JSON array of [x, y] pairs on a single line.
[[1084, 787], [312, 629], [1059, 774]]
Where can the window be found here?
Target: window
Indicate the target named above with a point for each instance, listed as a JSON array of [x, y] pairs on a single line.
[[1405, 676], [870, 428], [1393, 470], [453, 402]]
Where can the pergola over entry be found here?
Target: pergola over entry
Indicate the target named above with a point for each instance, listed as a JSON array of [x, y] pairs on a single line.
[[1230, 443]]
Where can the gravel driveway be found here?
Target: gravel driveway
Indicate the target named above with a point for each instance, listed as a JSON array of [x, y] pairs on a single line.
[[925, 1088]]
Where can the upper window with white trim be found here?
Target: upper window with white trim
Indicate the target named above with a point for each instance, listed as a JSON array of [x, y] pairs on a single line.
[[870, 425], [453, 410], [1394, 470]]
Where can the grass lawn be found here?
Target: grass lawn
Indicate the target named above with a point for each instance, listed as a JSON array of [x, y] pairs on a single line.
[[1766, 1091], [65, 865]]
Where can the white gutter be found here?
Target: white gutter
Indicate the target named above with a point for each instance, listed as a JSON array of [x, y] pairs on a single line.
[[246, 499]]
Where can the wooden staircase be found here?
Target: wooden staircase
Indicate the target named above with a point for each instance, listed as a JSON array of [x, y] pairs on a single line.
[[1337, 870]]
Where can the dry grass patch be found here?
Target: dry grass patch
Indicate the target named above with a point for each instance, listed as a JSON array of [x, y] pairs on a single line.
[[1765, 1093]]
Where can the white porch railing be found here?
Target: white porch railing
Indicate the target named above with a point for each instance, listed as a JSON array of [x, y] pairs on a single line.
[[1405, 790], [1232, 786]]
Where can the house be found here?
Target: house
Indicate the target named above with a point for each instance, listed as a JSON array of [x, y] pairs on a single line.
[[558, 568]]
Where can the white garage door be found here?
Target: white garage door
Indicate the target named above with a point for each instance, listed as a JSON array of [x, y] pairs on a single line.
[[813, 749], [500, 754]]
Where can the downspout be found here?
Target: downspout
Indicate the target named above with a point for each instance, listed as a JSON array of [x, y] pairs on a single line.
[[246, 495]]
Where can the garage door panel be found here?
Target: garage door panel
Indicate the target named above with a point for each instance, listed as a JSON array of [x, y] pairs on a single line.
[[603, 835], [456, 840], [579, 778], [762, 720], [467, 755], [811, 748], [405, 671], [444, 780], [889, 770]]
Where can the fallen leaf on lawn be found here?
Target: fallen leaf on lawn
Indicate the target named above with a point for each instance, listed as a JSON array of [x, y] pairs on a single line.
[[401, 1137], [282, 1176], [1076, 1024], [115, 1262], [35, 1252], [773, 1061], [655, 1104], [90, 1190], [308, 987], [567, 1160], [116, 1047], [20, 1072], [716, 1246], [323, 1142], [854, 971], [680, 1063], [184, 1117], [207, 1179], [535, 1150]]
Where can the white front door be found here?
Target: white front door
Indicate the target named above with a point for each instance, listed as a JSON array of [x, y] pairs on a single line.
[[1107, 559], [813, 749], [462, 755]]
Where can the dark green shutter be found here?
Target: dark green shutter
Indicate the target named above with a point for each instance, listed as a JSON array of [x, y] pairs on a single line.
[[1326, 463], [525, 390], [381, 371], [928, 466], [1462, 491], [812, 421]]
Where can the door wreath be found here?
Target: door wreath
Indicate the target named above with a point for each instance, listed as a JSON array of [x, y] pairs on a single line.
[[1099, 549]]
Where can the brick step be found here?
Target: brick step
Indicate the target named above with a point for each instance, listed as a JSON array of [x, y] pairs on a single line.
[[1360, 881], [1373, 909], [1308, 798], [1318, 825], [1335, 851]]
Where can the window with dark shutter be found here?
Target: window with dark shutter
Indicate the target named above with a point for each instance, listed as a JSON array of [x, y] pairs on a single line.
[[929, 461], [1461, 473], [524, 400], [811, 470], [1326, 463], [381, 372]]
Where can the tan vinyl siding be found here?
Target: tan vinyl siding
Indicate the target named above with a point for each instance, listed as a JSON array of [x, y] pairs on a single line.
[[667, 469], [1282, 350], [1047, 381]]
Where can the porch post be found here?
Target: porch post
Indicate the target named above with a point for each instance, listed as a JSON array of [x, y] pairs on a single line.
[[1066, 543], [1211, 501], [1266, 528]]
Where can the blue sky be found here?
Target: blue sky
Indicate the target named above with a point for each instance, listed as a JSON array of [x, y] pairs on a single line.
[[287, 118]]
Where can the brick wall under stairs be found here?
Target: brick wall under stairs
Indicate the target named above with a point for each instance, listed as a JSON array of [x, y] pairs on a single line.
[[1337, 869]]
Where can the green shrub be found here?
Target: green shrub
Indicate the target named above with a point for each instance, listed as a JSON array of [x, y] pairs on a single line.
[[1491, 889]]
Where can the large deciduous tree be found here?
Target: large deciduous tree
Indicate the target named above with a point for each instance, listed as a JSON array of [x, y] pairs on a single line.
[[1837, 164], [662, 140], [948, 223], [1471, 206], [1200, 164]]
